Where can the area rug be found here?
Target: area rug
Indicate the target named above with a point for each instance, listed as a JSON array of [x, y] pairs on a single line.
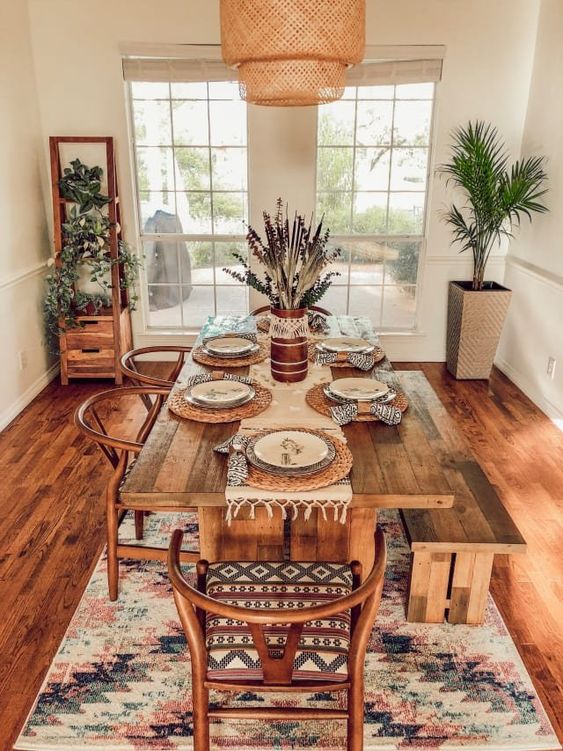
[[121, 678]]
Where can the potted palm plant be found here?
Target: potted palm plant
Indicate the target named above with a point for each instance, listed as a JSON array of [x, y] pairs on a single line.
[[294, 258], [497, 195]]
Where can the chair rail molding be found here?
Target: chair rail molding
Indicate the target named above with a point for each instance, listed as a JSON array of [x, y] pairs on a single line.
[[22, 276]]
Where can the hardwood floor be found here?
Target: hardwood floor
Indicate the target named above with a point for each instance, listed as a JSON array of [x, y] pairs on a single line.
[[51, 506]]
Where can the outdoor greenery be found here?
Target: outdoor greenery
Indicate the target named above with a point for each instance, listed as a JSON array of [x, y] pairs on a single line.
[[85, 252], [496, 195], [294, 259]]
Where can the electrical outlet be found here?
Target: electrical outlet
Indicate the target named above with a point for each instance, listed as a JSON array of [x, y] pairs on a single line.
[[22, 359], [551, 363]]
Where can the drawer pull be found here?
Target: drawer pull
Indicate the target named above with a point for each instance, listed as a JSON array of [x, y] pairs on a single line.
[[91, 349]]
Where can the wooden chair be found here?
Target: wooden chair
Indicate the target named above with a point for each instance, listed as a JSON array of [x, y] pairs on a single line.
[[129, 366], [253, 655], [314, 308], [120, 453]]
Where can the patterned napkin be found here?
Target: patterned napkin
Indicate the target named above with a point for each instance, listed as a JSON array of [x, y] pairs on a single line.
[[237, 467], [204, 377], [387, 413], [357, 359]]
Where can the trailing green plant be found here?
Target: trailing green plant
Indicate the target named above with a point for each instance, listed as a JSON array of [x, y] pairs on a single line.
[[294, 259], [86, 249], [496, 195]]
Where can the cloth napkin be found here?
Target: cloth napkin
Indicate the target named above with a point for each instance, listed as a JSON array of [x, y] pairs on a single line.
[[357, 359], [237, 467], [204, 377], [387, 413]]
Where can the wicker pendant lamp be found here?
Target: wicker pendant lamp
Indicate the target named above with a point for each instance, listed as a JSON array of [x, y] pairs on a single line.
[[292, 52]]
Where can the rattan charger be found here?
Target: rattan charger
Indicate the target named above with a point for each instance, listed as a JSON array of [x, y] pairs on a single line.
[[232, 362], [179, 406], [342, 362], [337, 470], [317, 399]]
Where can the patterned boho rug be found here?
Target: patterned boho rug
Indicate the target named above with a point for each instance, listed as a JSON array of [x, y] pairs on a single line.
[[121, 678]]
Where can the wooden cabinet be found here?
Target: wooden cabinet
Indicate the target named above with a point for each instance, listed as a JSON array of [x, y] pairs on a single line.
[[94, 347]]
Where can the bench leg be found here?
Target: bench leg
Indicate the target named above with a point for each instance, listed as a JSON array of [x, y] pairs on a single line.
[[428, 587], [470, 587]]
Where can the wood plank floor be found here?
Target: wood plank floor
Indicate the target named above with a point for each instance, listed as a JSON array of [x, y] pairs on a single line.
[[51, 506]]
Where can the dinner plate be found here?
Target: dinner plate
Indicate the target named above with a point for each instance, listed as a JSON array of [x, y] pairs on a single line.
[[290, 452], [358, 389], [231, 355], [229, 345], [385, 399], [346, 344], [220, 393]]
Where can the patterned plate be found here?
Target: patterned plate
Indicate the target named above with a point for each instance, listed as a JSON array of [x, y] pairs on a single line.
[[346, 344], [292, 453]]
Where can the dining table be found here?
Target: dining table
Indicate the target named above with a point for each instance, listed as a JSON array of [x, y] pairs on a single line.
[[394, 467]]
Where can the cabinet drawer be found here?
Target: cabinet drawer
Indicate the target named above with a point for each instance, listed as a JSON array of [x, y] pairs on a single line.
[[90, 359], [92, 334]]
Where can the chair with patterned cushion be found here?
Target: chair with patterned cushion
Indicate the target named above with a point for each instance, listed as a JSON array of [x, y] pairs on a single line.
[[94, 418], [236, 643]]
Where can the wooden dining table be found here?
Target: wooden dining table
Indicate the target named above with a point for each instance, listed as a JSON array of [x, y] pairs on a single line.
[[393, 467]]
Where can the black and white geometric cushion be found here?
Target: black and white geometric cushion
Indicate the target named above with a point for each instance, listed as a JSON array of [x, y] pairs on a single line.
[[322, 653]]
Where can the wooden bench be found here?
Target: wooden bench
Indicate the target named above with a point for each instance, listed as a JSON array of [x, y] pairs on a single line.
[[452, 550]]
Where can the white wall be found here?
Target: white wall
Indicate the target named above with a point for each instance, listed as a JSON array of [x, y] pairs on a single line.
[[487, 73], [25, 245], [535, 265]]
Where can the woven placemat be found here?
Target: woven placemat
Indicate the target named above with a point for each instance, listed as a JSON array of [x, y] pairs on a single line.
[[317, 399], [378, 355], [178, 405], [232, 362], [337, 470]]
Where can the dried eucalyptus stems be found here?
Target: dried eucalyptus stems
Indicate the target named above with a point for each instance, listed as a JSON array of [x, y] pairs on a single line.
[[294, 258]]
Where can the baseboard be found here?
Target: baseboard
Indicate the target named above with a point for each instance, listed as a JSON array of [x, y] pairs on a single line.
[[553, 411], [28, 396]]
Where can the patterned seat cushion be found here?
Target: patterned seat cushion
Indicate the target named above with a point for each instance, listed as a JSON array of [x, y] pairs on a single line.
[[322, 653]]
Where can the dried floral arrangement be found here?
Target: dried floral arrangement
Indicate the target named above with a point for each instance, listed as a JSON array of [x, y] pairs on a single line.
[[294, 258]]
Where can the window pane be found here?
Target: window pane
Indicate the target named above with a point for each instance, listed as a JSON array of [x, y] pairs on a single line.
[[228, 123], [164, 306], [370, 213], [158, 210], [149, 90], [229, 213], [190, 123], [342, 264], [224, 258], [152, 123], [201, 263], [192, 168], [415, 91], [401, 261], [337, 210], [367, 258], [197, 306], [189, 90], [155, 168], [406, 213], [224, 90], [336, 124], [366, 301], [229, 169], [375, 120], [162, 258], [194, 211], [335, 168], [399, 306], [372, 168], [376, 92], [231, 299], [335, 299], [412, 123], [408, 169]]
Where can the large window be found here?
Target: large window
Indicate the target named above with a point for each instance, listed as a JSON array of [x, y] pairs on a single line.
[[191, 164], [372, 168]]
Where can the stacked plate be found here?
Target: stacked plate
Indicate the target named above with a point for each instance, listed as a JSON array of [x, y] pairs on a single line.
[[346, 344], [291, 453], [230, 347], [220, 394], [345, 390]]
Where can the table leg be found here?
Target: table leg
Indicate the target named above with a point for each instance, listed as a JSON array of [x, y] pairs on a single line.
[[245, 539]]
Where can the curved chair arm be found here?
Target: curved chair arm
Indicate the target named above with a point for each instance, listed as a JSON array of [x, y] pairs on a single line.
[[88, 422], [129, 368], [266, 309], [371, 586]]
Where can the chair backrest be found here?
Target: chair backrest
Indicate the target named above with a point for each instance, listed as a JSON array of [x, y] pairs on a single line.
[[88, 420], [193, 604], [129, 366], [313, 308]]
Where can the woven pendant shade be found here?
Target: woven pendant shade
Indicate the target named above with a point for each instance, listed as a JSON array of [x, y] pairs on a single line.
[[292, 52]]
